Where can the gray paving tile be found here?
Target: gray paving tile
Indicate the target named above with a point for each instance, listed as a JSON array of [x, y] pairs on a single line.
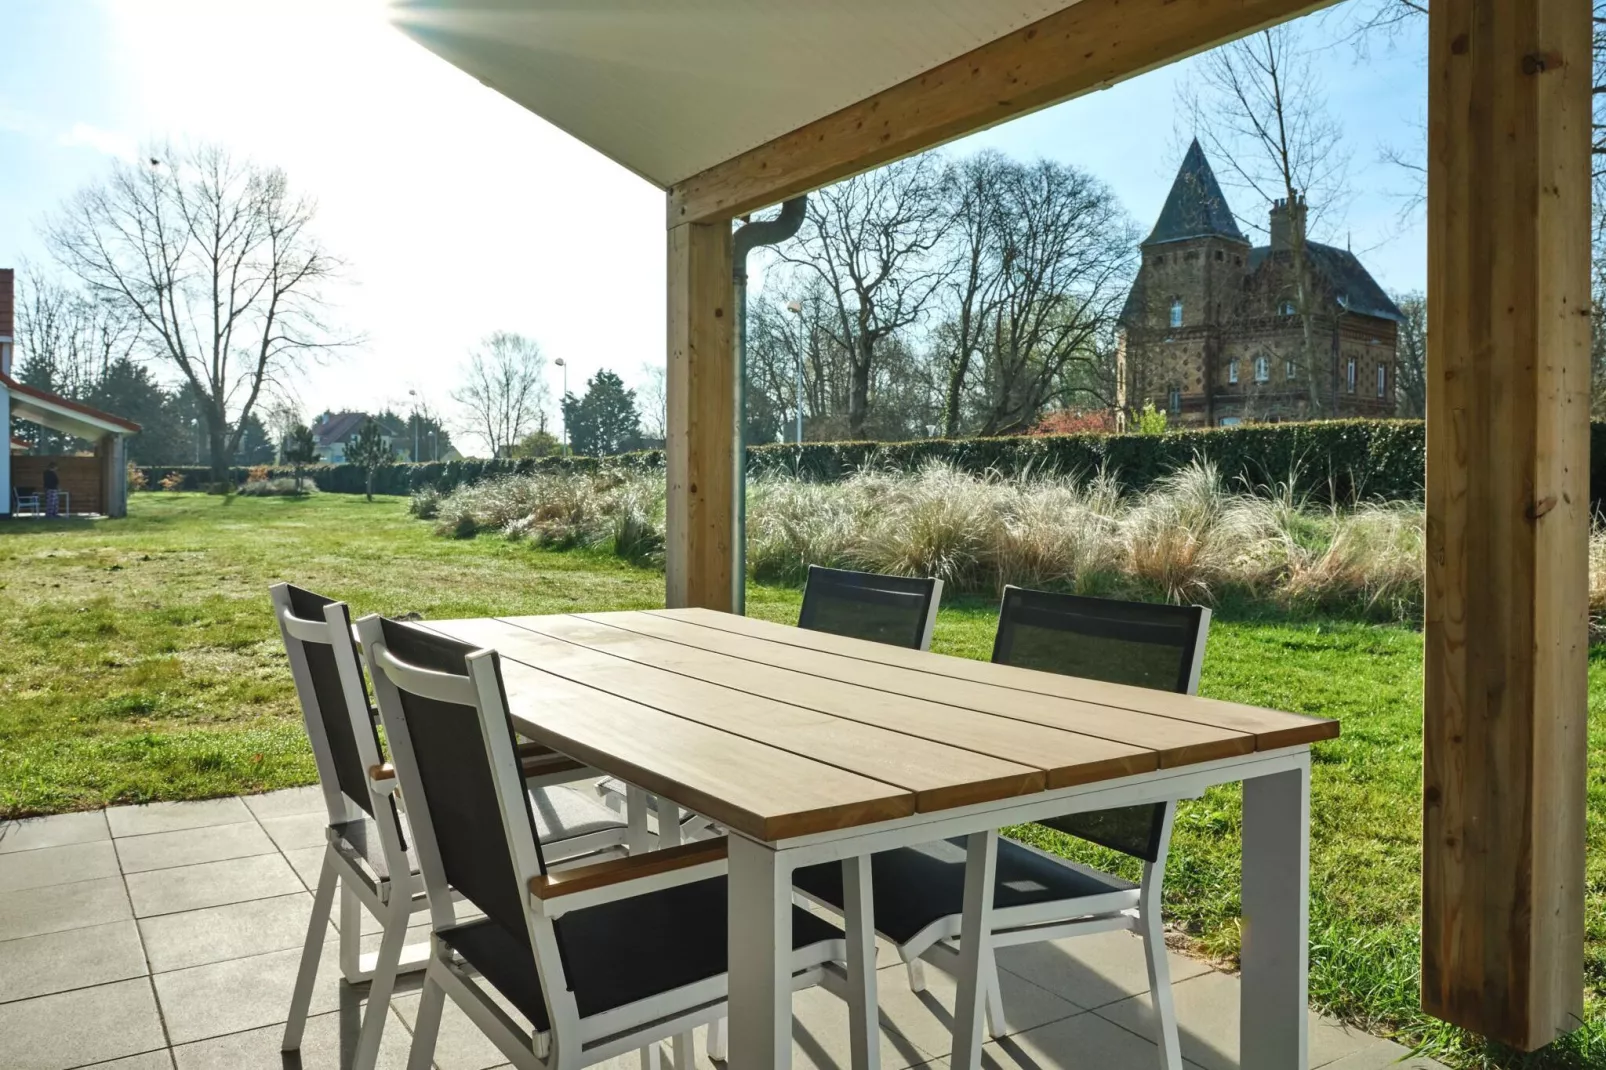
[[47, 1032], [307, 862], [72, 958], [1080, 1042], [151, 1060], [186, 847], [210, 884], [460, 1045], [927, 1018], [1092, 971], [173, 816], [1207, 1018], [231, 997], [297, 831], [233, 931], [1383, 1055], [62, 906], [327, 1044], [31, 833], [305, 800], [57, 865]]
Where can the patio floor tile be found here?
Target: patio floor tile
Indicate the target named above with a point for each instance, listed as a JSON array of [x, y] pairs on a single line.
[[72, 958], [1383, 1055], [306, 861], [1072, 1044], [927, 1018], [57, 865], [186, 847], [328, 1044], [1207, 1017], [305, 800], [31, 833], [151, 1060], [240, 994], [236, 930], [297, 831], [210, 884], [47, 1032], [62, 906], [1091, 971], [173, 816], [460, 1045]]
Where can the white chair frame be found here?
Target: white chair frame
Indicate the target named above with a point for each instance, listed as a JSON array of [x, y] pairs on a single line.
[[571, 1041], [34, 501]]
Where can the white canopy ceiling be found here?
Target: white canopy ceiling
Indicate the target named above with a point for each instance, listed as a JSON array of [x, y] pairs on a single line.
[[669, 88]]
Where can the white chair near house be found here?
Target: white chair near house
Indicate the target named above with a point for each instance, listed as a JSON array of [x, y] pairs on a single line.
[[367, 852], [599, 960], [26, 498], [919, 891]]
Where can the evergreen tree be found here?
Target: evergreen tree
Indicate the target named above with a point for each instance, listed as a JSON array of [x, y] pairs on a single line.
[[298, 449], [370, 451], [605, 420], [130, 390], [255, 445]]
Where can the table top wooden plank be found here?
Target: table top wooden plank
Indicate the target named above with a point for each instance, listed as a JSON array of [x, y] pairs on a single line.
[[763, 791], [1271, 728], [1175, 742], [1065, 757], [938, 774]]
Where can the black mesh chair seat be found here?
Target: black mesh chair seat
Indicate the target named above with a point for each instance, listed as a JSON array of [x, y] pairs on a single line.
[[618, 953], [916, 886]]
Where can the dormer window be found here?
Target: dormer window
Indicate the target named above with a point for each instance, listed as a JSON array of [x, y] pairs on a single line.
[[1176, 312]]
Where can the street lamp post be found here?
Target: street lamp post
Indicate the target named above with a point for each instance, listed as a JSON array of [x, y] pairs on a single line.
[[432, 454], [563, 406]]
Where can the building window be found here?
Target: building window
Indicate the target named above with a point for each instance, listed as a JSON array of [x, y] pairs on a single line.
[[1176, 312], [1220, 256], [1382, 380], [1262, 370], [1287, 309], [1231, 421], [1232, 371], [1160, 259], [1288, 370], [1191, 257], [1349, 375], [1173, 401]]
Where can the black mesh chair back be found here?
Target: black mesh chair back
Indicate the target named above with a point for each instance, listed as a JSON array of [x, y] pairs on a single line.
[[334, 713], [449, 755], [1138, 643], [897, 610]]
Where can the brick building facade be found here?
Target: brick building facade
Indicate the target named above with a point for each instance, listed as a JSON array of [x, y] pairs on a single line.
[[1217, 331]]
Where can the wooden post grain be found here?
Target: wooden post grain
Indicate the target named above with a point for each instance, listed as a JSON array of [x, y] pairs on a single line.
[[1507, 504]]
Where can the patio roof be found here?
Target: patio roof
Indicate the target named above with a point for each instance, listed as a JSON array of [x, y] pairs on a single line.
[[60, 414]]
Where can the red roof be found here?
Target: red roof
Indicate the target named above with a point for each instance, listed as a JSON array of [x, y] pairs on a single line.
[[55, 399]]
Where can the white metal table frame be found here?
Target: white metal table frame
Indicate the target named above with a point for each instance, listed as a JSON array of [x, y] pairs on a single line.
[[1275, 898]]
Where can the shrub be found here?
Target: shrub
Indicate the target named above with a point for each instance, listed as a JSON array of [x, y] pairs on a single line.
[[281, 486], [425, 503], [257, 473], [136, 477], [173, 481]]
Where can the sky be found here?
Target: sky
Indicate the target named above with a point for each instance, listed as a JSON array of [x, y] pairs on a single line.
[[458, 213]]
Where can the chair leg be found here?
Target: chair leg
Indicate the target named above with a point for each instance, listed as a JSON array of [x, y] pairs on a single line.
[[311, 951], [351, 911], [427, 1026], [996, 1026], [681, 1052], [719, 1039], [390, 949], [1160, 990], [917, 975], [649, 1058]]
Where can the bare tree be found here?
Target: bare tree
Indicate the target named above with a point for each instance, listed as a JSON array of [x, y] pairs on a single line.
[[505, 394], [1411, 356], [652, 399], [1258, 105], [870, 241], [215, 260], [971, 288]]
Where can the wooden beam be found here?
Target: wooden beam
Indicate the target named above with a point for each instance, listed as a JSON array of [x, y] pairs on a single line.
[[1089, 45], [1507, 516], [701, 389]]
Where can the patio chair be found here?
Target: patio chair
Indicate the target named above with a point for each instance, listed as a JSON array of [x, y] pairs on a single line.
[[367, 851], [919, 891], [26, 498], [599, 960], [897, 610]]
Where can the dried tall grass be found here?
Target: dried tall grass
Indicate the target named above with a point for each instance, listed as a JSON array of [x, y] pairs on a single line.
[[1190, 538]]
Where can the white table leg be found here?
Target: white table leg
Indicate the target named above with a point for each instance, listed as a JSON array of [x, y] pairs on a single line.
[[637, 839], [760, 1009], [864, 1027], [975, 949], [1276, 890]]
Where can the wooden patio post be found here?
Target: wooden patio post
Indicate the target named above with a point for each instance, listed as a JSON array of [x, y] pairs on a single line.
[[1507, 516], [701, 388]]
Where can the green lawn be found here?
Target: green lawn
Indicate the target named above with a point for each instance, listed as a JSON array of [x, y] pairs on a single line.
[[138, 661]]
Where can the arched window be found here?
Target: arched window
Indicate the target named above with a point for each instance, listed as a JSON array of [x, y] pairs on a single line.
[[1262, 369], [1176, 312], [1232, 371]]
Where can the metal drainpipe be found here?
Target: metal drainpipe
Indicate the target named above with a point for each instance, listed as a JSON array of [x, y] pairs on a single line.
[[744, 241]]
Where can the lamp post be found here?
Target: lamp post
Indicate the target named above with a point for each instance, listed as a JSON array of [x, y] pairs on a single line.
[[432, 454], [196, 435], [414, 395], [563, 407]]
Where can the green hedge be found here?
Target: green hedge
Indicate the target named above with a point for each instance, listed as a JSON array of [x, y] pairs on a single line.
[[1337, 460]]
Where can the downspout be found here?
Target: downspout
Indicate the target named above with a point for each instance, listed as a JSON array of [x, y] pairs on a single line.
[[745, 240]]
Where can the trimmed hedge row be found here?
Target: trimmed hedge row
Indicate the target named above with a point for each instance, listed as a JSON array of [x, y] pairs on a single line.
[[1336, 460]]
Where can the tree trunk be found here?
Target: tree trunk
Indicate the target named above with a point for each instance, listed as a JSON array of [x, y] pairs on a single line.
[[859, 397], [217, 437]]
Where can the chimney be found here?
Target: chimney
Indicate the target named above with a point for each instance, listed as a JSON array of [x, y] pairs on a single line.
[[7, 307], [1284, 221]]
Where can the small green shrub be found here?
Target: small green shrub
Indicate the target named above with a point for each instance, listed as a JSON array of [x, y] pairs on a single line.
[[281, 486]]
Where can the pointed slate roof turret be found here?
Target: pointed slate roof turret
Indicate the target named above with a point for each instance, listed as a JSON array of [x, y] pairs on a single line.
[[1196, 207]]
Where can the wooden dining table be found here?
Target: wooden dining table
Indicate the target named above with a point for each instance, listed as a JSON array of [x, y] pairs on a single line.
[[809, 747]]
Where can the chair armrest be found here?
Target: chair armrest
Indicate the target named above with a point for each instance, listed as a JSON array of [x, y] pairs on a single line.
[[671, 866], [382, 778]]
